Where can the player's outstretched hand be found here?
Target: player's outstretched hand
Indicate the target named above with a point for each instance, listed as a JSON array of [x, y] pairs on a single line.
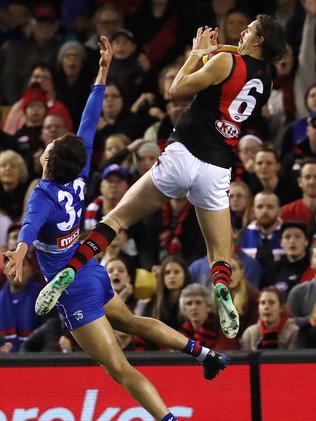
[[214, 363], [15, 264], [206, 41], [105, 51]]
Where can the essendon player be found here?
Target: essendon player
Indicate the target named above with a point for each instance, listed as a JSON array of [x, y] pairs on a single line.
[[228, 89]]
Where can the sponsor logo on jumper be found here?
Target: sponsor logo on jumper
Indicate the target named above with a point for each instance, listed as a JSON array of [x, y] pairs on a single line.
[[78, 314], [69, 239], [227, 129]]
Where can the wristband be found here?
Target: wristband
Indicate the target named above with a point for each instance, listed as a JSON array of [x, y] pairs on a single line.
[[212, 48], [204, 51]]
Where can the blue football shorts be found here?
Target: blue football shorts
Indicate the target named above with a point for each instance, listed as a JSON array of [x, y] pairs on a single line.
[[82, 302]]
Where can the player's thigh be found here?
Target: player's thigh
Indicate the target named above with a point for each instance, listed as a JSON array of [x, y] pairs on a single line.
[[216, 229], [98, 340], [119, 315], [210, 188], [141, 199]]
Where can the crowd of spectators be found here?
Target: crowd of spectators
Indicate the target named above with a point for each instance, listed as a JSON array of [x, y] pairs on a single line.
[[159, 267]]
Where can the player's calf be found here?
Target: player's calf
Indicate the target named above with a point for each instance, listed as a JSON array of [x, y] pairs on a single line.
[[228, 315]]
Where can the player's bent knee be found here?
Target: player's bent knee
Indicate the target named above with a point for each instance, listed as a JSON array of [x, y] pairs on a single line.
[[118, 372], [136, 324], [132, 324]]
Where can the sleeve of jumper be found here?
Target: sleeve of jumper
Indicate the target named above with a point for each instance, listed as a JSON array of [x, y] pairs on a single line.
[[89, 121], [39, 208]]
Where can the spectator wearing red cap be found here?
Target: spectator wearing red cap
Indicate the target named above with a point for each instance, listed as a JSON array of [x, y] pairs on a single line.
[[45, 11], [28, 136], [35, 93], [19, 57], [41, 73]]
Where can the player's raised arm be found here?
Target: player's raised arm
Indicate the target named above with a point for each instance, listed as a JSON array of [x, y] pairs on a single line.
[[93, 107], [105, 60], [189, 81]]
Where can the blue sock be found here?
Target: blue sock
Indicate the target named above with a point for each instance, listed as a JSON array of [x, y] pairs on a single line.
[[169, 417], [195, 349]]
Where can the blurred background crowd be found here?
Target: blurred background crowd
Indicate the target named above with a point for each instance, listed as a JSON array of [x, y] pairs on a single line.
[[48, 59]]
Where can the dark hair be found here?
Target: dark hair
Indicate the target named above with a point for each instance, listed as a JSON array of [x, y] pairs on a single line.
[[66, 159], [269, 148], [131, 270], [233, 10], [121, 93], [285, 310], [117, 87], [307, 93], [274, 45], [43, 65], [15, 226], [273, 289], [308, 160]]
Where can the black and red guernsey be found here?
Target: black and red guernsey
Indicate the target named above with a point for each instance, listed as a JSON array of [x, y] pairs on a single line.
[[210, 128]]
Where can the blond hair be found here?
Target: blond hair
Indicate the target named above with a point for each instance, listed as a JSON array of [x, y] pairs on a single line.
[[15, 159]]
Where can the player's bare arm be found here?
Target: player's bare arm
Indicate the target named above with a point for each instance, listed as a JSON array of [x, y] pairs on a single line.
[[106, 54], [189, 81], [16, 258]]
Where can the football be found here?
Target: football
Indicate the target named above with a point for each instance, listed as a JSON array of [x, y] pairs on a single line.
[[224, 48]]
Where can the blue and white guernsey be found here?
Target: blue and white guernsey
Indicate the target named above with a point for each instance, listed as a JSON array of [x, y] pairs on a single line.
[[251, 239], [54, 210]]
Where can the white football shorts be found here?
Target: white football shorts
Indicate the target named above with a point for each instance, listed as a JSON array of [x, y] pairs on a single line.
[[178, 173]]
